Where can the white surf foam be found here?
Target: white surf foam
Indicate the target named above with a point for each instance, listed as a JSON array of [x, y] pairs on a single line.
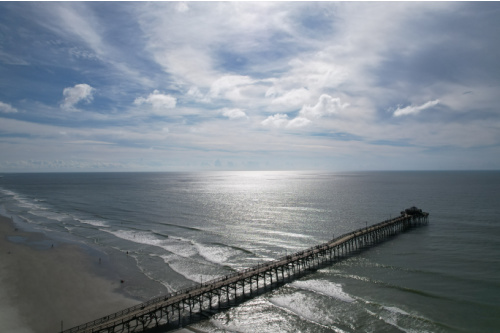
[[324, 287], [27, 204], [22, 201], [95, 223], [215, 253], [8, 192], [46, 213], [178, 246], [304, 307], [393, 315], [35, 207], [396, 310], [190, 269]]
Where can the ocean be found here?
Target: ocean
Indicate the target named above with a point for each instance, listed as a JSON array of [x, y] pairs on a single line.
[[163, 232]]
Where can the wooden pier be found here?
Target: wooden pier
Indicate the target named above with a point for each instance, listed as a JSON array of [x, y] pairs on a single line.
[[174, 310]]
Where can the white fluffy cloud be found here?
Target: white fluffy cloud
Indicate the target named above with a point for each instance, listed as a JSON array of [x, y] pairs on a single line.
[[305, 79], [298, 122], [158, 100], [73, 95], [234, 113], [292, 98], [327, 105], [412, 109], [7, 108], [280, 120]]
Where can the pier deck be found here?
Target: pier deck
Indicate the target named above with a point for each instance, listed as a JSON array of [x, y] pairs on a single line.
[[173, 309]]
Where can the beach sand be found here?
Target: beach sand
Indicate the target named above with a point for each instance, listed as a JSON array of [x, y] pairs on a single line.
[[42, 286]]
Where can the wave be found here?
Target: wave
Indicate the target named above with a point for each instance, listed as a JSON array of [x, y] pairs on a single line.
[[188, 268], [159, 234], [396, 310], [149, 274], [406, 321], [192, 260], [236, 248], [9, 193], [49, 214], [341, 274], [95, 223], [26, 208], [181, 256], [325, 288], [180, 226], [304, 308], [178, 246], [314, 310], [21, 201], [402, 320], [215, 253]]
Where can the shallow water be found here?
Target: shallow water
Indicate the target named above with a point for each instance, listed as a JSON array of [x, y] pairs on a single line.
[[183, 228]]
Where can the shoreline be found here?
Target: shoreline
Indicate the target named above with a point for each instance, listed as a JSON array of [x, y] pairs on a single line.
[[46, 285]]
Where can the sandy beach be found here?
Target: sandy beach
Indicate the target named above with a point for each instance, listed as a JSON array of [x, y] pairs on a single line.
[[45, 286]]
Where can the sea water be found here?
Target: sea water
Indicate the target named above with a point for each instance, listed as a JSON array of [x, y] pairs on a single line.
[[162, 232]]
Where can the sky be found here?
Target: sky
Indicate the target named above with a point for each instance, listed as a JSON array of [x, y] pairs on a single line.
[[193, 86]]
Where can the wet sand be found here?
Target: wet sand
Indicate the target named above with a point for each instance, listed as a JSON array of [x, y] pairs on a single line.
[[42, 286]]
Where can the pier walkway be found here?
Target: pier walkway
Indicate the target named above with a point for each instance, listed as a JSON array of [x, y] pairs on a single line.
[[173, 310]]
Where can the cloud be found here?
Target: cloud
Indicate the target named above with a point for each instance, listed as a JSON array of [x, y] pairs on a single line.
[[412, 110], [78, 20], [158, 100], [319, 72], [298, 122], [7, 108], [186, 64], [234, 113], [78, 29], [307, 78], [292, 98], [202, 42], [268, 70], [9, 59], [73, 95], [194, 92], [89, 142], [182, 7], [229, 86], [327, 105], [280, 120]]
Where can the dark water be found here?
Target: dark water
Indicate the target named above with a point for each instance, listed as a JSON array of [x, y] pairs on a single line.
[[181, 228]]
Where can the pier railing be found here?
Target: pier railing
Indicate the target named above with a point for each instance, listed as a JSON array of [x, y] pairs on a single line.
[[355, 239]]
